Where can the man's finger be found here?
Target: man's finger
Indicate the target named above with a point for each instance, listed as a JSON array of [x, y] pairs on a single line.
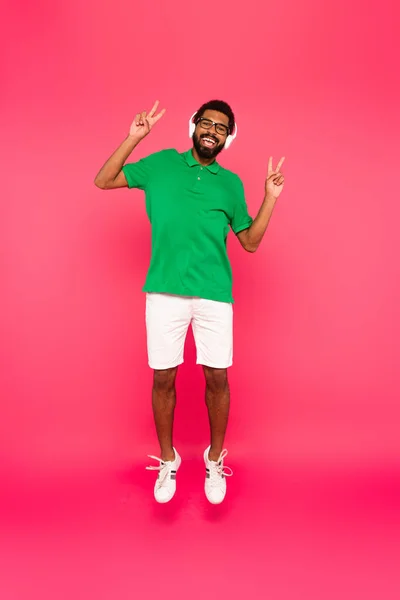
[[160, 114], [270, 166], [153, 110], [280, 163]]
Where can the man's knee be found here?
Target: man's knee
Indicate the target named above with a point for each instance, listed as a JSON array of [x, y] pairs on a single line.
[[216, 379], [164, 380]]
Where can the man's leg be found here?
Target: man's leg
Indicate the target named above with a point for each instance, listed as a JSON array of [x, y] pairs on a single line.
[[218, 401], [212, 328], [213, 332], [164, 401], [167, 321]]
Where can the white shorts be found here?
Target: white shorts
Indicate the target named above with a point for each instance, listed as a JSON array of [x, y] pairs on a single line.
[[167, 321]]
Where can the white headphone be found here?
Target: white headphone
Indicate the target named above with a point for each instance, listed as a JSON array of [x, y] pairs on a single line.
[[229, 139]]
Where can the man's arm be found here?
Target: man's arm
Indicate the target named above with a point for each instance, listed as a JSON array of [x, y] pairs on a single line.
[[251, 238], [111, 175]]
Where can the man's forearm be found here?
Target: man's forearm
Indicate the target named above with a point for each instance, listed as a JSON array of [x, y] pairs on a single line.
[[256, 231], [111, 169]]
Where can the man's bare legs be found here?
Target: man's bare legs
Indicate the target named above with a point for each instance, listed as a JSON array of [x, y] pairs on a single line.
[[217, 401]]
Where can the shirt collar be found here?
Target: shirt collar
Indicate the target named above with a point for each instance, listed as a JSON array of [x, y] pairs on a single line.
[[192, 162]]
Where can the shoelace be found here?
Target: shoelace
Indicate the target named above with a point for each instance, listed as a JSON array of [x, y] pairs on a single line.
[[163, 469], [218, 470]]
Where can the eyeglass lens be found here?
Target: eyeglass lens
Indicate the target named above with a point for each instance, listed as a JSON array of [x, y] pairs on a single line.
[[219, 127]]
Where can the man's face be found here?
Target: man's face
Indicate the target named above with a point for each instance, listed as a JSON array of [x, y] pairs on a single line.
[[208, 138]]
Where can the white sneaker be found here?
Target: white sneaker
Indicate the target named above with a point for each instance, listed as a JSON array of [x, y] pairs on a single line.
[[216, 473], [165, 486]]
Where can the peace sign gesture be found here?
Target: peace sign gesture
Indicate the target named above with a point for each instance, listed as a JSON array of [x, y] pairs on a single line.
[[144, 122], [275, 179]]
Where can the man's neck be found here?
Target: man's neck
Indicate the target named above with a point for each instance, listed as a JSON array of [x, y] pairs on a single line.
[[203, 161]]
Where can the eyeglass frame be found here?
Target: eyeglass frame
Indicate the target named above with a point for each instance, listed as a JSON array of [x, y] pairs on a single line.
[[213, 123]]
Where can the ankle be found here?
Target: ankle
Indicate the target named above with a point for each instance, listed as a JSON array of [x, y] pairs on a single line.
[[168, 455], [214, 455]]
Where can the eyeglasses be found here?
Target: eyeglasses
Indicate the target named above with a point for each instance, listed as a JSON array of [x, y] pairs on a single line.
[[219, 127]]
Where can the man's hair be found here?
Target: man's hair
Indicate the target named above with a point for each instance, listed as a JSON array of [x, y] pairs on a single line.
[[220, 106]]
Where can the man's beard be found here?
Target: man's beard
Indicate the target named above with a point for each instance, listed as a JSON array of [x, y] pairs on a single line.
[[204, 152]]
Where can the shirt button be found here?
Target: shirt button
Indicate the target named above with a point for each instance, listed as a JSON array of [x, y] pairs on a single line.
[[198, 178]]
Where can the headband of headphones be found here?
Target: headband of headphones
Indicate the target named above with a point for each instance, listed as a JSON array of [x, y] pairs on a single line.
[[229, 139]]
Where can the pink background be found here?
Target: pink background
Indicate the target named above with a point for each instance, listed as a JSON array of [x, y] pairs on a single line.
[[315, 384]]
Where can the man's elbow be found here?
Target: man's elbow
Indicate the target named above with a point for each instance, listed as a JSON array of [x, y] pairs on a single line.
[[250, 248], [101, 184]]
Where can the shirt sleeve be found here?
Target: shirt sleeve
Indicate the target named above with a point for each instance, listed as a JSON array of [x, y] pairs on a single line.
[[240, 219], [137, 174]]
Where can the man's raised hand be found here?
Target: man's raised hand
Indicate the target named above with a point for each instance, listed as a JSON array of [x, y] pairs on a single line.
[[144, 122], [275, 179]]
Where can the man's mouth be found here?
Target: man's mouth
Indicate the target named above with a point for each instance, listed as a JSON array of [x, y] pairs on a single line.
[[209, 142]]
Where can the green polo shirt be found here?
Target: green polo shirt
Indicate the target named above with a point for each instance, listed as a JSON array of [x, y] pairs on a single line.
[[191, 208]]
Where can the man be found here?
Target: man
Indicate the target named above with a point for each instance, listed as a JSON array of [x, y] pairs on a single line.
[[191, 202]]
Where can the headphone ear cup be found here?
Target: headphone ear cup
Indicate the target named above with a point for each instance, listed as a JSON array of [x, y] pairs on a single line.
[[192, 126], [228, 142], [231, 137]]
